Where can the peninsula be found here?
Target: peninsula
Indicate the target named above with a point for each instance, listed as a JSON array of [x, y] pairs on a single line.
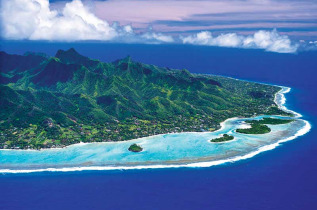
[[48, 102]]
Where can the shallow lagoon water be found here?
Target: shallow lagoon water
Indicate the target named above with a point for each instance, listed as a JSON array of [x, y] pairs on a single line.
[[191, 149]]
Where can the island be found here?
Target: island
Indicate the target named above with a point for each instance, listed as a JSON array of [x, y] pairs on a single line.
[[56, 101], [225, 137], [260, 126], [270, 121], [256, 128], [135, 148]]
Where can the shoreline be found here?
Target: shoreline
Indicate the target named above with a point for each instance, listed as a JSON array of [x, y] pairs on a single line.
[[204, 164], [281, 92], [305, 129], [117, 142], [283, 101]]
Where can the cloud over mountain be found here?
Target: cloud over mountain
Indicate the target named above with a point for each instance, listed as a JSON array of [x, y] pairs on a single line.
[[75, 21], [34, 20]]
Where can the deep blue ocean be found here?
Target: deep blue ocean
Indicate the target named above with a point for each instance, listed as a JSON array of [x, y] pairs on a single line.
[[283, 178]]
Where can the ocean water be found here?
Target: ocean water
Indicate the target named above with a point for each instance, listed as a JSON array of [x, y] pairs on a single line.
[[282, 178]]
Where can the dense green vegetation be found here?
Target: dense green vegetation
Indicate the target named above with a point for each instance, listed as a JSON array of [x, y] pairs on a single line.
[[256, 128], [260, 127], [135, 148], [271, 121], [225, 137], [57, 101]]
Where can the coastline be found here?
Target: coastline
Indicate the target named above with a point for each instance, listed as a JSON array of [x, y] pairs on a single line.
[[281, 93], [281, 105], [118, 142], [279, 101]]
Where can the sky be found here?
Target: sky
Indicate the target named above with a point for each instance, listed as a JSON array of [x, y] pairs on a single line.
[[282, 26]]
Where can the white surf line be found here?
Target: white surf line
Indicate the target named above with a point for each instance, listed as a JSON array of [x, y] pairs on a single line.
[[280, 103]]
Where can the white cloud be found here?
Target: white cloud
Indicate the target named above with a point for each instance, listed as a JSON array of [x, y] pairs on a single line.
[[267, 40], [34, 20], [157, 36], [308, 45]]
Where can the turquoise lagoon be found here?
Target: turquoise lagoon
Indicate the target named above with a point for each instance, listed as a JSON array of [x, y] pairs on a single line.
[[189, 149]]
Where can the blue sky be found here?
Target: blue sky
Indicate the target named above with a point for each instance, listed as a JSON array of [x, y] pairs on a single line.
[[290, 17], [271, 25]]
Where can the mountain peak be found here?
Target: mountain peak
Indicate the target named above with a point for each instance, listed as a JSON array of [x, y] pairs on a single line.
[[127, 59], [72, 49], [70, 53], [71, 56]]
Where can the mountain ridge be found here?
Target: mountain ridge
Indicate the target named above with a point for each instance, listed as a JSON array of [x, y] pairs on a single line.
[[70, 93]]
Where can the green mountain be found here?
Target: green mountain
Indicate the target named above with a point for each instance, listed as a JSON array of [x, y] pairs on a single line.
[[56, 101]]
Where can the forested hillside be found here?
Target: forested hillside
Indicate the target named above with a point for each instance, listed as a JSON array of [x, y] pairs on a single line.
[[56, 101]]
